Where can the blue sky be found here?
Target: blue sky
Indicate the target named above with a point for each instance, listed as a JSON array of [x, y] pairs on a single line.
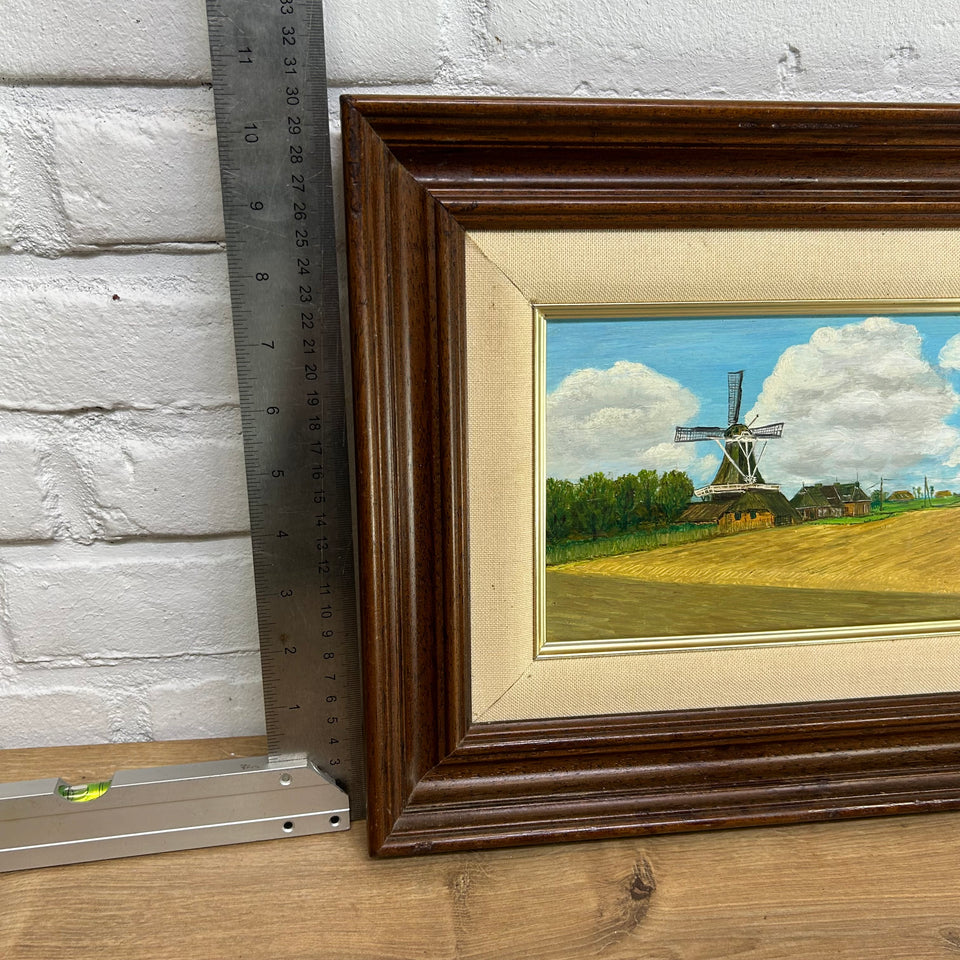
[[698, 352]]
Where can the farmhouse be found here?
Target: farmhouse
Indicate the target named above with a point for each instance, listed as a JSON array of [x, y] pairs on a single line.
[[819, 500], [943, 493], [752, 510], [900, 495]]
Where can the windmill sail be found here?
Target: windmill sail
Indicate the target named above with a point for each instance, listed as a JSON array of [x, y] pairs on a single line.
[[734, 395], [689, 434], [770, 432]]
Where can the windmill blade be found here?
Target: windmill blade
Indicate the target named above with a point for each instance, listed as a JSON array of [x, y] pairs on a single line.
[[688, 434], [769, 432], [734, 394]]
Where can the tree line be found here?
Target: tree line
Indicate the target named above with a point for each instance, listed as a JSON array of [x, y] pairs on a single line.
[[598, 506]]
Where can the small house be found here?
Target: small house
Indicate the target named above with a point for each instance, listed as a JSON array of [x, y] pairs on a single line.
[[900, 495], [818, 500]]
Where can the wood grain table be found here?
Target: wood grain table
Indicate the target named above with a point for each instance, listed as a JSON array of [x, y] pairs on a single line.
[[881, 888]]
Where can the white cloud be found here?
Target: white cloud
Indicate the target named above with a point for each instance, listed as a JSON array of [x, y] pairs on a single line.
[[856, 400], [950, 354], [618, 420]]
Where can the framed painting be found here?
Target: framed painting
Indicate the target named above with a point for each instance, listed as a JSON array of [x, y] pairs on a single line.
[[657, 453], [653, 456]]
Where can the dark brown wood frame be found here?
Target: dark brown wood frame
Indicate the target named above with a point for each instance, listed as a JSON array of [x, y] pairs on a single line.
[[420, 171]]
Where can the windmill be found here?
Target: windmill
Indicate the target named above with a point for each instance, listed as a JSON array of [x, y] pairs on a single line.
[[742, 446]]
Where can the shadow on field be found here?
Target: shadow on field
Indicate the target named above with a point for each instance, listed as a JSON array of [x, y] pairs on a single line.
[[594, 607]]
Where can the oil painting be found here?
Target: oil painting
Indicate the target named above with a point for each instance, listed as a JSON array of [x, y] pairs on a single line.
[[766, 476]]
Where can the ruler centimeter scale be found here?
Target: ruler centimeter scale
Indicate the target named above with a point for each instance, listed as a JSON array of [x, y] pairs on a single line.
[[270, 91]]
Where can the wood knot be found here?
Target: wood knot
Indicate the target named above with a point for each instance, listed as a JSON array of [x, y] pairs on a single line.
[[951, 937], [642, 885]]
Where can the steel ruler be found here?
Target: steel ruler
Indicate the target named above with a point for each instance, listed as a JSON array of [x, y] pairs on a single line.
[[269, 78], [270, 90]]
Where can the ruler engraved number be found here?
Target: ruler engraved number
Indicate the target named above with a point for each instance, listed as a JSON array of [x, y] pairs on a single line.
[[291, 64], [296, 181], [250, 137], [289, 33], [286, 8], [306, 321], [293, 126], [244, 55]]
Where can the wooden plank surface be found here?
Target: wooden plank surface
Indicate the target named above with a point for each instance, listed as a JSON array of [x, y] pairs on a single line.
[[881, 888]]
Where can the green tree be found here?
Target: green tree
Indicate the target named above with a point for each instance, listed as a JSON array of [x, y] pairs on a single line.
[[560, 509], [626, 491], [646, 499], [595, 508], [673, 494]]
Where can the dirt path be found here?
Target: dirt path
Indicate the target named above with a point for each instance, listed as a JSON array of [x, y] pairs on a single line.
[[912, 553]]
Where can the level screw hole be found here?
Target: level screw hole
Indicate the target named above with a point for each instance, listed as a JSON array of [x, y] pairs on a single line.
[[286, 779], [288, 827], [334, 821]]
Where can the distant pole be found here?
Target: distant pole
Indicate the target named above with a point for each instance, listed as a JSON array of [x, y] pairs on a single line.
[[881, 492]]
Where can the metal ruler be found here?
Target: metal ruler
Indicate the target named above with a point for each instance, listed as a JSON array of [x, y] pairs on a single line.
[[271, 104], [270, 90]]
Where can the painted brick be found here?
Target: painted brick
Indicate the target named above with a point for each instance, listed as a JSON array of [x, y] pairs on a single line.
[[130, 600], [226, 706], [31, 220], [136, 177], [166, 485], [25, 515], [117, 332], [57, 716], [160, 40], [743, 48], [390, 41]]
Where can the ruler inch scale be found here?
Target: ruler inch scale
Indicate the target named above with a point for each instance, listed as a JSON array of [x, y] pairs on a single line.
[[269, 74]]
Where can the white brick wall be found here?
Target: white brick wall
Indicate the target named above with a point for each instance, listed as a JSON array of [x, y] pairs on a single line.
[[126, 606]]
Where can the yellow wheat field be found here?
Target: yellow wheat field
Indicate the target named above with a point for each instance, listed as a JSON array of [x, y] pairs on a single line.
[[912, 552]]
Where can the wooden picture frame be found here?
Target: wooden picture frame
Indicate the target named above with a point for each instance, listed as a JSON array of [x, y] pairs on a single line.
[[419, 173]]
